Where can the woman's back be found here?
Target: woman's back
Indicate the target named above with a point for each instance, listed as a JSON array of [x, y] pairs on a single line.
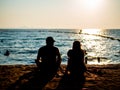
[[76, 61], [74, 78]]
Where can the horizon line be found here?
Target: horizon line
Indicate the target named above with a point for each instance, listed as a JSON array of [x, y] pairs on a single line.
[[60, 28]]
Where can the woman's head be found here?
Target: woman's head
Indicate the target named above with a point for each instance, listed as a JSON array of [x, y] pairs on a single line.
[[76, 45]]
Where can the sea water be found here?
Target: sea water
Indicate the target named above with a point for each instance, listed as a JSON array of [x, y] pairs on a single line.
[[23, 44]]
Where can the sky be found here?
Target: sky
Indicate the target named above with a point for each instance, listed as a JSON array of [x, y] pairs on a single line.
[[60, 14]]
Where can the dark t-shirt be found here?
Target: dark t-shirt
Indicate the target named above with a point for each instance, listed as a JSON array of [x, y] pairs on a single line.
[[49, 55]]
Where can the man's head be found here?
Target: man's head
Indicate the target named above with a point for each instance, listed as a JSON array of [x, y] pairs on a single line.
[[50, 41]]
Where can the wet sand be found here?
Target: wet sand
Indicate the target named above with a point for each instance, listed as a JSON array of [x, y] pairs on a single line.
[[98, 77]]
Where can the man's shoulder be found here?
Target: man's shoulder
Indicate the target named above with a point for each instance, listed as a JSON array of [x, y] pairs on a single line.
[[42, 47], [54, 48], [46, 47]]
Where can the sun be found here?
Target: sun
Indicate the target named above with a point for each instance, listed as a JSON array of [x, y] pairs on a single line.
[[87, 5], [92, 4]]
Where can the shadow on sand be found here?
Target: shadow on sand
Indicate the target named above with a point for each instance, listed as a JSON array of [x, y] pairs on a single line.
[[33, 80]]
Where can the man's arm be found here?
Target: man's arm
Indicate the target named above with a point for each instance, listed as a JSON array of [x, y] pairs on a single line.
[[38, 55], [58, 58], [37, 61]]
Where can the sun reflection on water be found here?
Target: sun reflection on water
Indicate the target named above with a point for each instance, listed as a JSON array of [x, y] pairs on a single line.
[[94, 45], [91, 31]]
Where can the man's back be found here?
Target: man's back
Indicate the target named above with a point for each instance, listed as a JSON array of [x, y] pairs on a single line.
[[49, 55]]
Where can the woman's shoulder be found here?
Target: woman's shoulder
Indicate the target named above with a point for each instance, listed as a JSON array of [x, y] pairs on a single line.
[[69, 52]]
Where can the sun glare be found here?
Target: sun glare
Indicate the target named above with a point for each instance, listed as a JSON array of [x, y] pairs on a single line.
[[92, 4], [89, 4]]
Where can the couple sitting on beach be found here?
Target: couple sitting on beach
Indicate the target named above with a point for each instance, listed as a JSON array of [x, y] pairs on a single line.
[[49, 60]]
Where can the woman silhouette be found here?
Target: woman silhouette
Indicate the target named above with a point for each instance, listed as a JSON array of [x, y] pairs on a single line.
[[76, 67]]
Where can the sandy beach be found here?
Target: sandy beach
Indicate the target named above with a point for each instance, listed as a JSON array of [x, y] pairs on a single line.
[[98, 77]]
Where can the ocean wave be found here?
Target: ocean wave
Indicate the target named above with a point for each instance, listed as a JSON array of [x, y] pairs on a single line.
[[24, 44]]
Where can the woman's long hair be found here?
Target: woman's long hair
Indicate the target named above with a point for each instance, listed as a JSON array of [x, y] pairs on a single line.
[[76, 45]]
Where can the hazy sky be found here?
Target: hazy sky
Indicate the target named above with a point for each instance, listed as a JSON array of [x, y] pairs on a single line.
[[60, 14]]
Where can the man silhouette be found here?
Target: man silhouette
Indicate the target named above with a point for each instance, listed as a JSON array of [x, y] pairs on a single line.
[[48, 60]]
